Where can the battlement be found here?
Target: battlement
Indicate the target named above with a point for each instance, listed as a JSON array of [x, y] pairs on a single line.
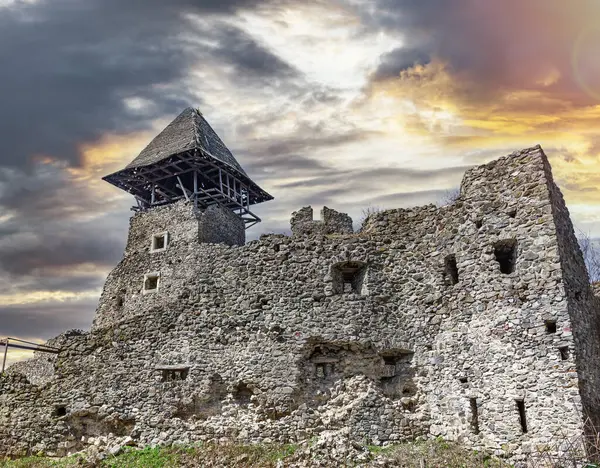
[[331, 222]]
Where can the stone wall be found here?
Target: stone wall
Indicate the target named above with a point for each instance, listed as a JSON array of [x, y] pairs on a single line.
[[583, 307], [452, 321], [217, 225], [40, 370]]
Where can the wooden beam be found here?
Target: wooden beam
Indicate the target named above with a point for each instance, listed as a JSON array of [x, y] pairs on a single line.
[[195, 189], [5, 355], [183, 189]]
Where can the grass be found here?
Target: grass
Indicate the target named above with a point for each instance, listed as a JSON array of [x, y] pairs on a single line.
[[42, 462], [177, 456], [432, 454], [439, 453]]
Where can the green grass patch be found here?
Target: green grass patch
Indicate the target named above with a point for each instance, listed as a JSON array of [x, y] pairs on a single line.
[[150, 457]]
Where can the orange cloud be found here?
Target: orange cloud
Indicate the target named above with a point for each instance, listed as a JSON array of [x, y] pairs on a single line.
[[513, 119]]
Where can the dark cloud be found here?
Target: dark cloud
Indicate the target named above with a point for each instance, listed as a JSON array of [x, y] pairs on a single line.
[[67, 67], [397, 60], [47, 320], [293, 156], [55, 226]]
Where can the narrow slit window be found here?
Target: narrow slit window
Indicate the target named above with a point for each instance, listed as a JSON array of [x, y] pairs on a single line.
[[159, 242], [450, 270], [564, 353], [550, 327], [474, 422], [151, 281], [522, 415], [506, 255]]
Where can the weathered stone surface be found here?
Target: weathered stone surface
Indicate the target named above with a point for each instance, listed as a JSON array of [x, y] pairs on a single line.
[[331, 222], [402, 330]]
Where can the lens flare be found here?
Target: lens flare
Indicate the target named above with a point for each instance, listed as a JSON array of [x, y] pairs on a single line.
[[586, 61]]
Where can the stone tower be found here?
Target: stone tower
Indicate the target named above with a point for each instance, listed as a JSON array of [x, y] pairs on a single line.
[[190, 190]]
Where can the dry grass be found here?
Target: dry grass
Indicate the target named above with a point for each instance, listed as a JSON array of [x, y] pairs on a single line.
[[437, 454]]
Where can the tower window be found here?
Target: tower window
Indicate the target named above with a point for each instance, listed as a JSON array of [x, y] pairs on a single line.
[[522, 415], [506, 255], [450, 270], [550, 326], [474, 422], [160, 242], [564, 353], [151, 281], [348, 277]]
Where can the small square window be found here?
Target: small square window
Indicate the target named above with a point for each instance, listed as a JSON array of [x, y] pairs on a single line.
[[550, 327], [151, 281], [348, 277], [160, 242]]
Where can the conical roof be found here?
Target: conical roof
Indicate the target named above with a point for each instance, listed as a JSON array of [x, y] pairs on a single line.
[[188, 131], [189, 160]]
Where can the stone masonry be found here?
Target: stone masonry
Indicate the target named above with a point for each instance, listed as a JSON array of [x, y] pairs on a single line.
[[473, 321]]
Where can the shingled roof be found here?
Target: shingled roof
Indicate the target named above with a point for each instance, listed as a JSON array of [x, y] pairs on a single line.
[[188, 160], [188, 131]]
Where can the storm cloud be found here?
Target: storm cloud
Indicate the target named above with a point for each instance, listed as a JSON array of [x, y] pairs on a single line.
[[68, 68]]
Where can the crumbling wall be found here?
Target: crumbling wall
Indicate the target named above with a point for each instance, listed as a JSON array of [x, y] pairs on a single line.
[[39, 370], [331, 222], [445, 321]]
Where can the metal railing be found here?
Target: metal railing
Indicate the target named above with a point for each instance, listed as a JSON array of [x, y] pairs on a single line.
[[22, 344]]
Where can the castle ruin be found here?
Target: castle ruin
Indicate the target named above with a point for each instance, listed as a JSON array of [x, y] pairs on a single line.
[[473, 321]]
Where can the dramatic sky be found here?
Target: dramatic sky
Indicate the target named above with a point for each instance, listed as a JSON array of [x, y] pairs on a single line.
[[344, 103]]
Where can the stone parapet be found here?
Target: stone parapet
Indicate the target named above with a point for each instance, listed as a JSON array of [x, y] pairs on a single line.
[[331, 222]]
